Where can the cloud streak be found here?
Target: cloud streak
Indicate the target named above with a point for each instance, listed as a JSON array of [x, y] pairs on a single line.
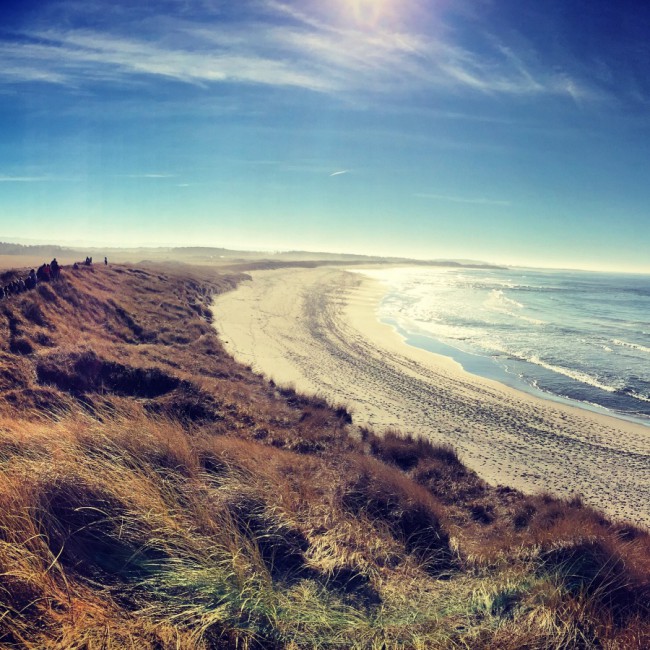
[[282, 47], [78, 57], [152, 175], [27, 179]]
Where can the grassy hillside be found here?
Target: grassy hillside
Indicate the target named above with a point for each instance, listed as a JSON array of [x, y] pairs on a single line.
[[155, 494]]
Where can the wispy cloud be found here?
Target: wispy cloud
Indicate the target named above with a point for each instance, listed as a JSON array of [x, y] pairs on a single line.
[[77, 57], [463, 199], [27, 179], [283, 46], [153, 175], [339, 173]]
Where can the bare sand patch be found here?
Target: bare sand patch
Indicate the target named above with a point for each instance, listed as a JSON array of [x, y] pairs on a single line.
[[318, 329]]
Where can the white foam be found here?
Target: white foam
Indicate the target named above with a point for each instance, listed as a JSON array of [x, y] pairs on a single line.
[[631, 346], [532, 321], [579, 376], [498, 301], [439, 329], [494, 316], [643, 398]]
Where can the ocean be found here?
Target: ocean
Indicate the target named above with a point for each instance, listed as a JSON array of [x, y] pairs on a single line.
[[567, 335]]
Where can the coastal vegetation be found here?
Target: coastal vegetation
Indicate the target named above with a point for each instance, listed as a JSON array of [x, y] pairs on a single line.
[[156, 494]]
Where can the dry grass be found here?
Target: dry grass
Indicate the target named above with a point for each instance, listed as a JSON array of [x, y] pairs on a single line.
[[155, 494]]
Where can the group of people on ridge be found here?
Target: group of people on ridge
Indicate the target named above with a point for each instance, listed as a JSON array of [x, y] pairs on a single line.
[[45, 273], [88, 262]]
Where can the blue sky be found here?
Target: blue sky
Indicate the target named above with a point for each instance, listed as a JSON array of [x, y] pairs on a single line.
[[513, 132]]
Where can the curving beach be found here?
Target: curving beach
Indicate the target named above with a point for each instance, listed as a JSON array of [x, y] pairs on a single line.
[[318, 329]]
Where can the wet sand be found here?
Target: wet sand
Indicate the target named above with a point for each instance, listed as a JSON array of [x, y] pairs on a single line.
[[317, 329]]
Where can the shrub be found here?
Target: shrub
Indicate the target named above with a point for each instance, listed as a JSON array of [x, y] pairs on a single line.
[[46, 292], [407, 451], [596, 569], [92, 532], [32, 312], [281, 545], [448, 479], [87, 372], [21, 345], [385, 495], [523, 516], [482, 513]]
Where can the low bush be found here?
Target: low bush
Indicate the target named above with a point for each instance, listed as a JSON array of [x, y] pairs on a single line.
[[46, 292], [92, 533], [281, 545], [408, 451], [599, 571], [385, 496], [87, 372], [32, 311], [21, 345]]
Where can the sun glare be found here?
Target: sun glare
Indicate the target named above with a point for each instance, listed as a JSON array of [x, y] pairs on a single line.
[[370, 12]]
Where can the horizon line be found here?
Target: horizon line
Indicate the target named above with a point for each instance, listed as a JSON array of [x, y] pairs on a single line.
[[27, 242]]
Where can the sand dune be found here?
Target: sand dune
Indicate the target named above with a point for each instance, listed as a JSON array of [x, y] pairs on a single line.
[[317, 329]]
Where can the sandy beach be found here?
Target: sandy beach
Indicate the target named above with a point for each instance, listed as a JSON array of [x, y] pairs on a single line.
[[317, 329]]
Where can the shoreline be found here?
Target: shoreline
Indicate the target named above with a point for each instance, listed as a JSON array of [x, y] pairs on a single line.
[[318, 329], [498, 374]]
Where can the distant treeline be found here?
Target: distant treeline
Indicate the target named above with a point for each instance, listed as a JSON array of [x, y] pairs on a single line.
[[208, 254], [45, 250]]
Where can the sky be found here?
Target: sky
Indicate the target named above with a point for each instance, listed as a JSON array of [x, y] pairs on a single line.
[[510, 131]]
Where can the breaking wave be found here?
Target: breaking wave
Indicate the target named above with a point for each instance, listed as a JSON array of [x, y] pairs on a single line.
[[574, 334], [577, 375], [631, 346]]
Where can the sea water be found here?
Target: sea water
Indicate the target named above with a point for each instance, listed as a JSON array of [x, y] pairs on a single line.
[[569, 335]]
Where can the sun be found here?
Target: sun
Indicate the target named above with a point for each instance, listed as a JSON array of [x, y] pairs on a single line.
[[369, 12]]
